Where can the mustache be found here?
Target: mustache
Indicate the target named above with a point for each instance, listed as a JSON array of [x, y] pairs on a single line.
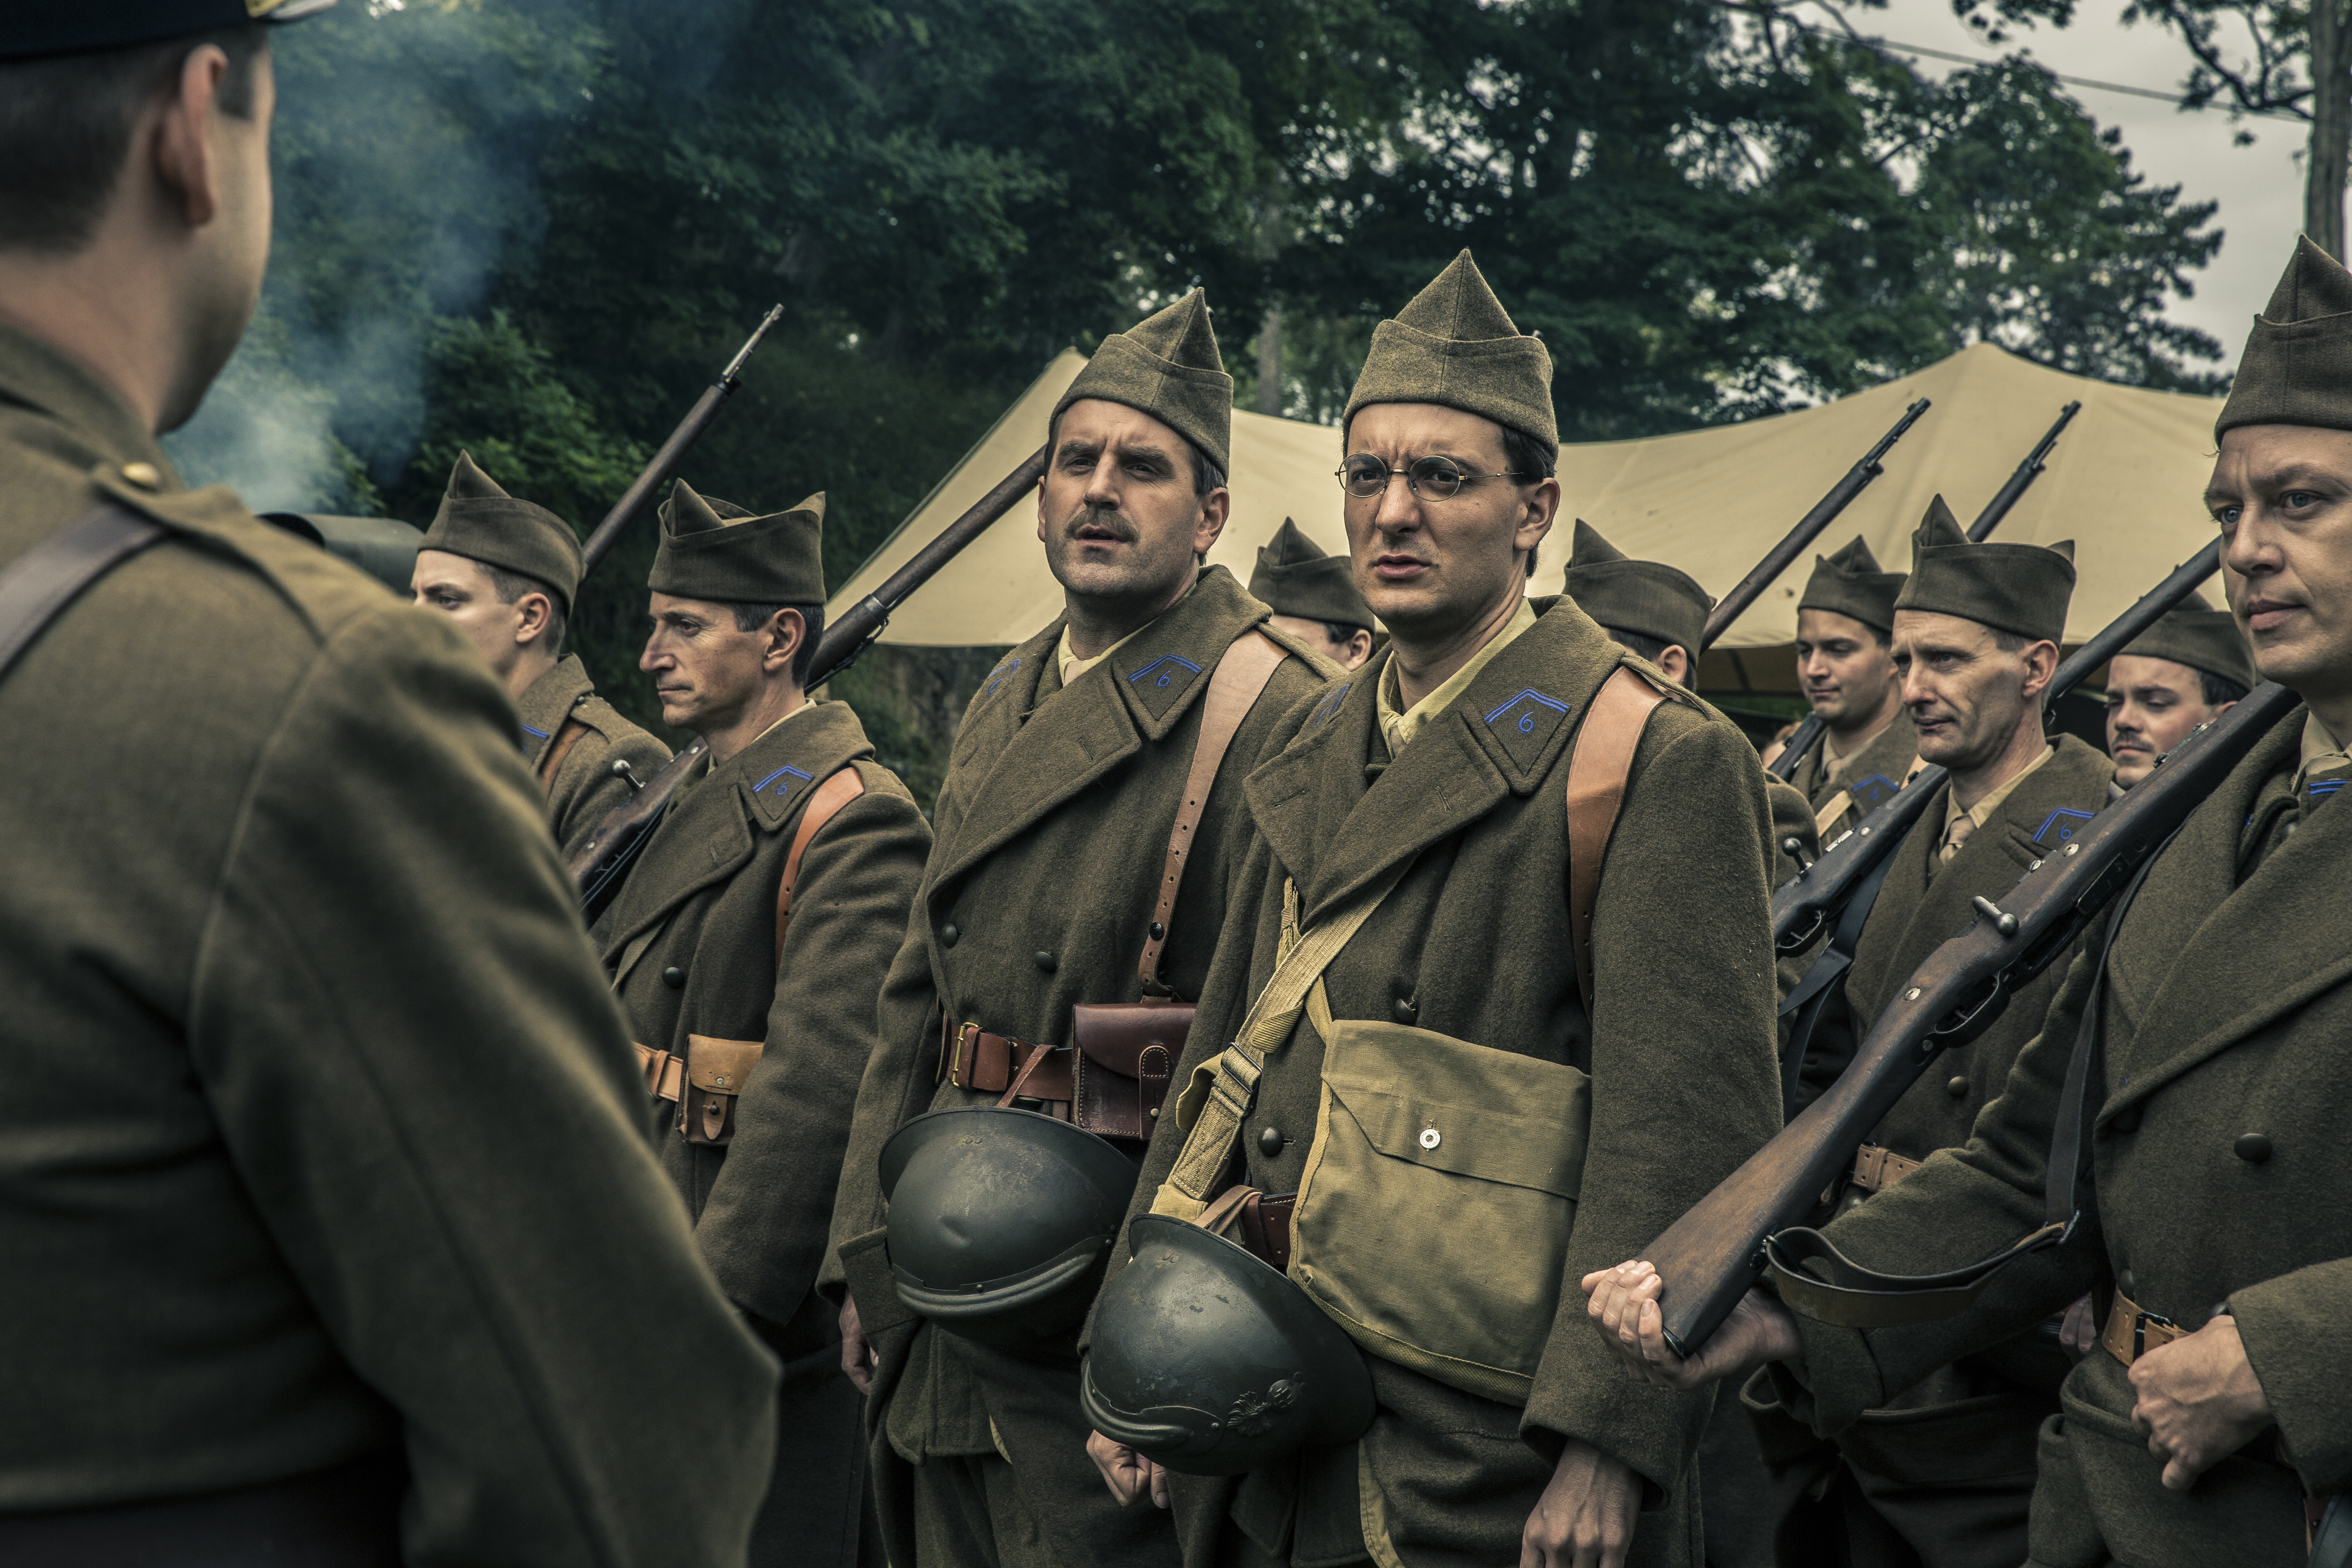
[[1110, 519]]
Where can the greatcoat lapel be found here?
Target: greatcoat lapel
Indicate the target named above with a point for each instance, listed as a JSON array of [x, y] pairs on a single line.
[[2284, 924], [1055, 748]]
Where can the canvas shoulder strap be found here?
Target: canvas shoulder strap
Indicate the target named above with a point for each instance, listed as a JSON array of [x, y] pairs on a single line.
[[1234, 690], [1598, 769], [52, 575], [836, 792]]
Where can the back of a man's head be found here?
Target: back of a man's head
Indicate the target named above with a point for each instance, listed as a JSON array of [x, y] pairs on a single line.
[[66, 121]]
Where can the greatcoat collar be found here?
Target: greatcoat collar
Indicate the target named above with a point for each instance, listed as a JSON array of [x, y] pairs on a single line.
[[547, 701]]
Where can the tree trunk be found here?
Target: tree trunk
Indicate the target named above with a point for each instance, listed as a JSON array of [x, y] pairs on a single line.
[[2331, 127], [1269, 349]]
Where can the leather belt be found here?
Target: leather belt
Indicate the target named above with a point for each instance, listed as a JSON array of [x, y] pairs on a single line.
[[664, 1072], [988, 1064], [1876, 1169], [2132, 1331]]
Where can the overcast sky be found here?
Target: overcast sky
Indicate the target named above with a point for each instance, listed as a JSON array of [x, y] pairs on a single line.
[[2260, 187]]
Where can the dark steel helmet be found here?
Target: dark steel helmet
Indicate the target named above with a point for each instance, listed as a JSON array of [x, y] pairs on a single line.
[[1211, 1363], [1001, 1220]]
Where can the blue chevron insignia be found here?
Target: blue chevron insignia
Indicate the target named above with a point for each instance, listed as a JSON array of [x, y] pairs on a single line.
[[1165, 675], [529, 730], [999, 676], [1528, 719], [2066, 815], [2327, 786], [783, 790], [1886, 787], [1325, 710]]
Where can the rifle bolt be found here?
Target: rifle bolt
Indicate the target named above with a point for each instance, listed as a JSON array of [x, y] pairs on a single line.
[[2071, 849], [1912, 995]]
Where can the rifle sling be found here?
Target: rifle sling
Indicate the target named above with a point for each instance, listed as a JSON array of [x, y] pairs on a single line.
[[1813, 1276], [46, 578]]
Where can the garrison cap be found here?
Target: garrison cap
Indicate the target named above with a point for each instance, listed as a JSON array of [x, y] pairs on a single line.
[[1455, 346], [2298, 365], [1647, 598], [31, 28], [480, 521], [1850, 583], [1168, 366], [2201, 636], [712, 549], [1295, 578], [2018, 588]]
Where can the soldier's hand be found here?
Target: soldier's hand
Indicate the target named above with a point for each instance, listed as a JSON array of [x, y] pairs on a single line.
[[2199, 1401], [1585, 1517], [2078, 1334], [858, 1357], [1128, 1474], [1622, 1305]]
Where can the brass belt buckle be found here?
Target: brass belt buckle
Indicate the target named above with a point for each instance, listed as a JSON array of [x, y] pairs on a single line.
[[2140, 1321]]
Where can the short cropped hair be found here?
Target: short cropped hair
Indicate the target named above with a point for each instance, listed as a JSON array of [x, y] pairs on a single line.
[[1651, 648], [1531, 460], [510, 587], [751, 617], [66, 123], [2219, 688]]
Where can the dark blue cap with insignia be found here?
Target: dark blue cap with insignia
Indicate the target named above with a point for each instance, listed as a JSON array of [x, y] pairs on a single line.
[[31, 28]]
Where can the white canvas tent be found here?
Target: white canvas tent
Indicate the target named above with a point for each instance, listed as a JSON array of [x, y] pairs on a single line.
[[2124, 484]]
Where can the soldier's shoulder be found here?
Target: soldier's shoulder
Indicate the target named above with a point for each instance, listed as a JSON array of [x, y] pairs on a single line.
[[619, 735], [1306, 662]]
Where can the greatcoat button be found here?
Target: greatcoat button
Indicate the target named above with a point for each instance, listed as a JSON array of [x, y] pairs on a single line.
[[948, 934], [2253, 1148], [1270, 1141], [146, 476], [2126, 1284], [674, 977], [1403, 1011], [1044, 961], [1957, 1089]]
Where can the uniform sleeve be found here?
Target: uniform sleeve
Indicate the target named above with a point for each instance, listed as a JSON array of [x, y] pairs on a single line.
[[1961, 1205], [429, 1097], [2292, 1329], [1685, 1076], [765, 1224]]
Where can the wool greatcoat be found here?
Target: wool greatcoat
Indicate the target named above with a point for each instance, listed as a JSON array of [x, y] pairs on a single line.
[[584, 788], [1877, 773], [1474, 944], [2226, 1012], [693, 939], [1052, 829], [320, 1137], [1949, 1464]]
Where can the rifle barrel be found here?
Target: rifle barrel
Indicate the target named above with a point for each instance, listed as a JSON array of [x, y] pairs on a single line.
[[672, 451], [1710, 1255], [1777, 559]]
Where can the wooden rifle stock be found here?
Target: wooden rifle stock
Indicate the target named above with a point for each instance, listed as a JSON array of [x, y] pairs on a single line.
[[1809, 902], [1709, 1257], [1777, 559], [604, 858], [672, 451], [1809, 734]]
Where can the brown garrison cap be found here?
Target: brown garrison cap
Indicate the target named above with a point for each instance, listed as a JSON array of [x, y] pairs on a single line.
[[2201, 636], [1294, 578], [32, 28], [1850, 583], [1648, 598], [480, 521], [1167, 366], [712, 549], [2298, 367], [2018, 588], [1455, 345]]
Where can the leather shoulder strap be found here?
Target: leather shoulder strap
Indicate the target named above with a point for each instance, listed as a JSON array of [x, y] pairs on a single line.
[[1234, 690], [567, 735], [836, 792], [52, 575], [1598, 770]]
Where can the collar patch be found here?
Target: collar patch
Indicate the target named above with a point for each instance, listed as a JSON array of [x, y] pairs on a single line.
[[1875, 791], [785, 779], [1160, 682], [1326, 709], [999, 676], [529, 730], [2063, 821], [1526, 724]]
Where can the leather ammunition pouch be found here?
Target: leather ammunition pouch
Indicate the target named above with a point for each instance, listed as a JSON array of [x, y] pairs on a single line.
[[705, 1083], [1125, 1060], [1258, 1222]]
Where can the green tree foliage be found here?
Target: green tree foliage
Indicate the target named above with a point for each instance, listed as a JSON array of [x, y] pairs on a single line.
[[536, 228]]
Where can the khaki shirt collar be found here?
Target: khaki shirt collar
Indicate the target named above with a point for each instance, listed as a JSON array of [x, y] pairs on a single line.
[[1071, 666], [1982, 812], [2319, 749], [1399, 728]]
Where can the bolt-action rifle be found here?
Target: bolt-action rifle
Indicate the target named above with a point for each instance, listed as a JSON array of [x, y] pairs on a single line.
[[604, 858], [1809, 734], [1709, 1258]]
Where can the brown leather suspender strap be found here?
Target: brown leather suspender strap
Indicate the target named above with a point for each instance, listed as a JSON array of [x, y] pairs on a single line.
[[52, 575], [1597, 770], [836, 792], [1241, 674], [567, 735]]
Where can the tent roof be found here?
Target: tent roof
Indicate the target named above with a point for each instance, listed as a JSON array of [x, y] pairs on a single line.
[[2125, 483]]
